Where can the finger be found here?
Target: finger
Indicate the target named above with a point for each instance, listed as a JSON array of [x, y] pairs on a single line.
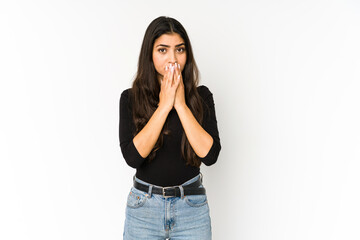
[[177, 74], [171, 77], [178, 80], [166, 75], [178, 69], [174, 75]]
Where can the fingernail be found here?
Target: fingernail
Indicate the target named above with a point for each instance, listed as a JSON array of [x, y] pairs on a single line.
[[179, 77], [166, 68], [179, 66]]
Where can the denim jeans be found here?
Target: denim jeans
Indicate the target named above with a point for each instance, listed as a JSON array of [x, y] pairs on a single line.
[[152, 216]]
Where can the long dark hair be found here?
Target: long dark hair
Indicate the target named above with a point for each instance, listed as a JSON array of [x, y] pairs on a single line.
[[146, 88]]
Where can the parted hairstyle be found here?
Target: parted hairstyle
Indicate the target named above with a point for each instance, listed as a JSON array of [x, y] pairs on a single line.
[[146, 87]]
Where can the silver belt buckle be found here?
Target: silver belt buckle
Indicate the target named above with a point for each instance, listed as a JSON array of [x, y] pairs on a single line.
[[163, 191]]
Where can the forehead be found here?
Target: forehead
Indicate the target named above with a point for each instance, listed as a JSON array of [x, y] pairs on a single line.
[[171, 39]]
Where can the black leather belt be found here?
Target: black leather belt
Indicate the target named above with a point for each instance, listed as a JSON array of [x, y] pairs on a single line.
[[191, 189]]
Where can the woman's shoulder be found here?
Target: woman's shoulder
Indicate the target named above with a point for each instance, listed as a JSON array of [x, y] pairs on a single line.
[[204, 91], [126, 92], [125, 95]]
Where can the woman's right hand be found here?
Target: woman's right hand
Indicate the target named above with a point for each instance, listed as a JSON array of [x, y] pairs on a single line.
[[168, 87]]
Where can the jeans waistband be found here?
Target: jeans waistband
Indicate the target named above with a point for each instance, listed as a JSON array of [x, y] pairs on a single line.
[[194, 179]]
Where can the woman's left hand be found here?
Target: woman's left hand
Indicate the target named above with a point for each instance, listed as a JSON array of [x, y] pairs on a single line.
[[180, 91]]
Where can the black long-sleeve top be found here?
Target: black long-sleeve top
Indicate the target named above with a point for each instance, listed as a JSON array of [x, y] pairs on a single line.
[[168, 168]]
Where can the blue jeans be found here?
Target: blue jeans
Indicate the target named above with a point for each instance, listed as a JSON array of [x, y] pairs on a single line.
[[152, 216]]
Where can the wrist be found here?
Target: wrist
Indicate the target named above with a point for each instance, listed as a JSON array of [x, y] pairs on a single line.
[[164, 109], [181, 107]]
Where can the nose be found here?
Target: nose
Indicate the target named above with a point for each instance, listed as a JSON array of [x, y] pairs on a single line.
[[172, 57]]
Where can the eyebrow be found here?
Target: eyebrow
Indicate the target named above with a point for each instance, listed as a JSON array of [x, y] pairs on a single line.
[[163, 45]]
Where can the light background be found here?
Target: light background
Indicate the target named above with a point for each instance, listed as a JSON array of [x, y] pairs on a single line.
[[285, 78]]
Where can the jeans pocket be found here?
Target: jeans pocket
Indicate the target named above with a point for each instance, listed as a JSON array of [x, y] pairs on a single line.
[[196, 200], [136, 198]]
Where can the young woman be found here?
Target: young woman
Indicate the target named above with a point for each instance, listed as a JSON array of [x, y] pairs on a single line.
[[167, 129]]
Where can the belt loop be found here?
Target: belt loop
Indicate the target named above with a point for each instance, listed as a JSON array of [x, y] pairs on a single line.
[[150, 190], [181, 191]]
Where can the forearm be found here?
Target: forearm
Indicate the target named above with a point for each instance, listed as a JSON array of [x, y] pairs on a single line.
[[199, 139], [146, 139]]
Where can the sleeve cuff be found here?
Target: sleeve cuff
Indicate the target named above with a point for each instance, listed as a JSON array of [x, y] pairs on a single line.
[[212, 155]]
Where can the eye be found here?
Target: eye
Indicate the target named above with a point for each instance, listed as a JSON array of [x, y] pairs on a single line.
[[162, 50], [181, 50]]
